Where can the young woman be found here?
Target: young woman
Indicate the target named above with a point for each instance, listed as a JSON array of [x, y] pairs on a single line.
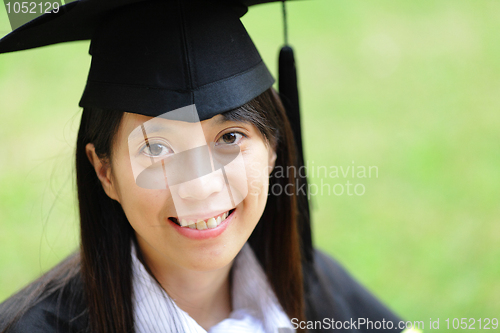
[[179, 137]]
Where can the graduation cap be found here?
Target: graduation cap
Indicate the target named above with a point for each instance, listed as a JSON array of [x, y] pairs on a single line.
[[154, 56]]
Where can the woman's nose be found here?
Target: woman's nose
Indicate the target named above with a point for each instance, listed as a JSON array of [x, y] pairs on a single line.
[[202, 187]]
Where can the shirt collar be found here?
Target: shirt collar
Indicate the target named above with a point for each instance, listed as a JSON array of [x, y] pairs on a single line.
[[255, 306]]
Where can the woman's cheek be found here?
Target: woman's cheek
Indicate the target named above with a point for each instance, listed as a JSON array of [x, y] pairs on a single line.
[[257, 169], [255, 188], [145, 207]]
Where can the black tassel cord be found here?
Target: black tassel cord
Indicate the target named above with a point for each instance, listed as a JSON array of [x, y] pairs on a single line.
[[289, 93]]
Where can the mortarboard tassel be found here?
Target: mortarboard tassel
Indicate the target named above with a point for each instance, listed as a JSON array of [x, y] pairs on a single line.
[[289, 93]]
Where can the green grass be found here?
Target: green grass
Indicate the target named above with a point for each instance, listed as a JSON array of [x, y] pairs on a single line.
[[410, 87]]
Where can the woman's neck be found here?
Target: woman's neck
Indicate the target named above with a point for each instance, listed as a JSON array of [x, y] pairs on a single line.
[[204, 295]]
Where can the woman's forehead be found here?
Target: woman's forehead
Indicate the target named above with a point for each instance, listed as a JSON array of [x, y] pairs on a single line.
[[134, 120]]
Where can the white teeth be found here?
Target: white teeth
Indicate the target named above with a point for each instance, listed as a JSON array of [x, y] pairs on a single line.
[[201, 225], [211, 223]]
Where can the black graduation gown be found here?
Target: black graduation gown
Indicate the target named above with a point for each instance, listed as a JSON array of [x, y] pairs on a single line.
[[331, 294]]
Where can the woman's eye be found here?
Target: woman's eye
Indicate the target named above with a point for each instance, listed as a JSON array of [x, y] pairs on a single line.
[[230, 138], [155, 150]]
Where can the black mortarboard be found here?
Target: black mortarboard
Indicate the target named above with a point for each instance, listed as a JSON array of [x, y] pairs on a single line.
[[153, 56]]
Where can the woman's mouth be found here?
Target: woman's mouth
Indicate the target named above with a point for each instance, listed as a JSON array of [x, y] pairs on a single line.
[[210, 223]]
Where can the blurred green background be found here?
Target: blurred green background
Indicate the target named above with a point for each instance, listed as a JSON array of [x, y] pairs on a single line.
[[410, 87]]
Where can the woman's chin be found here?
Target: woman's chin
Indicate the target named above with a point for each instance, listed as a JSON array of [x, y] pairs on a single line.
[[209, 261]]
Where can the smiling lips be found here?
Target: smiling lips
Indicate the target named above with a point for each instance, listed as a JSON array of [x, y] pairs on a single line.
[[210, 223]]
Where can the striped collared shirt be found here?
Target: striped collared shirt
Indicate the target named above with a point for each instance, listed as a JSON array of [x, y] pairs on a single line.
[[255, 306]]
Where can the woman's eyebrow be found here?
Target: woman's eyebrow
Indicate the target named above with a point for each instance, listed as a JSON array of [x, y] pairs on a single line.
[[221, 120], [150, 128], [155, 127], [230, 118]]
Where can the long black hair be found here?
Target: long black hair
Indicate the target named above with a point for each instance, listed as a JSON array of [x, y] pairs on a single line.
[[102, 267]]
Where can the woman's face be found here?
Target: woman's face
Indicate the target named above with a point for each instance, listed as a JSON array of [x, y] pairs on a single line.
[[160, 178]]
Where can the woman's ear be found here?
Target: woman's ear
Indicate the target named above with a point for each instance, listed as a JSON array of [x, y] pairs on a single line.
[[103, 172]]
